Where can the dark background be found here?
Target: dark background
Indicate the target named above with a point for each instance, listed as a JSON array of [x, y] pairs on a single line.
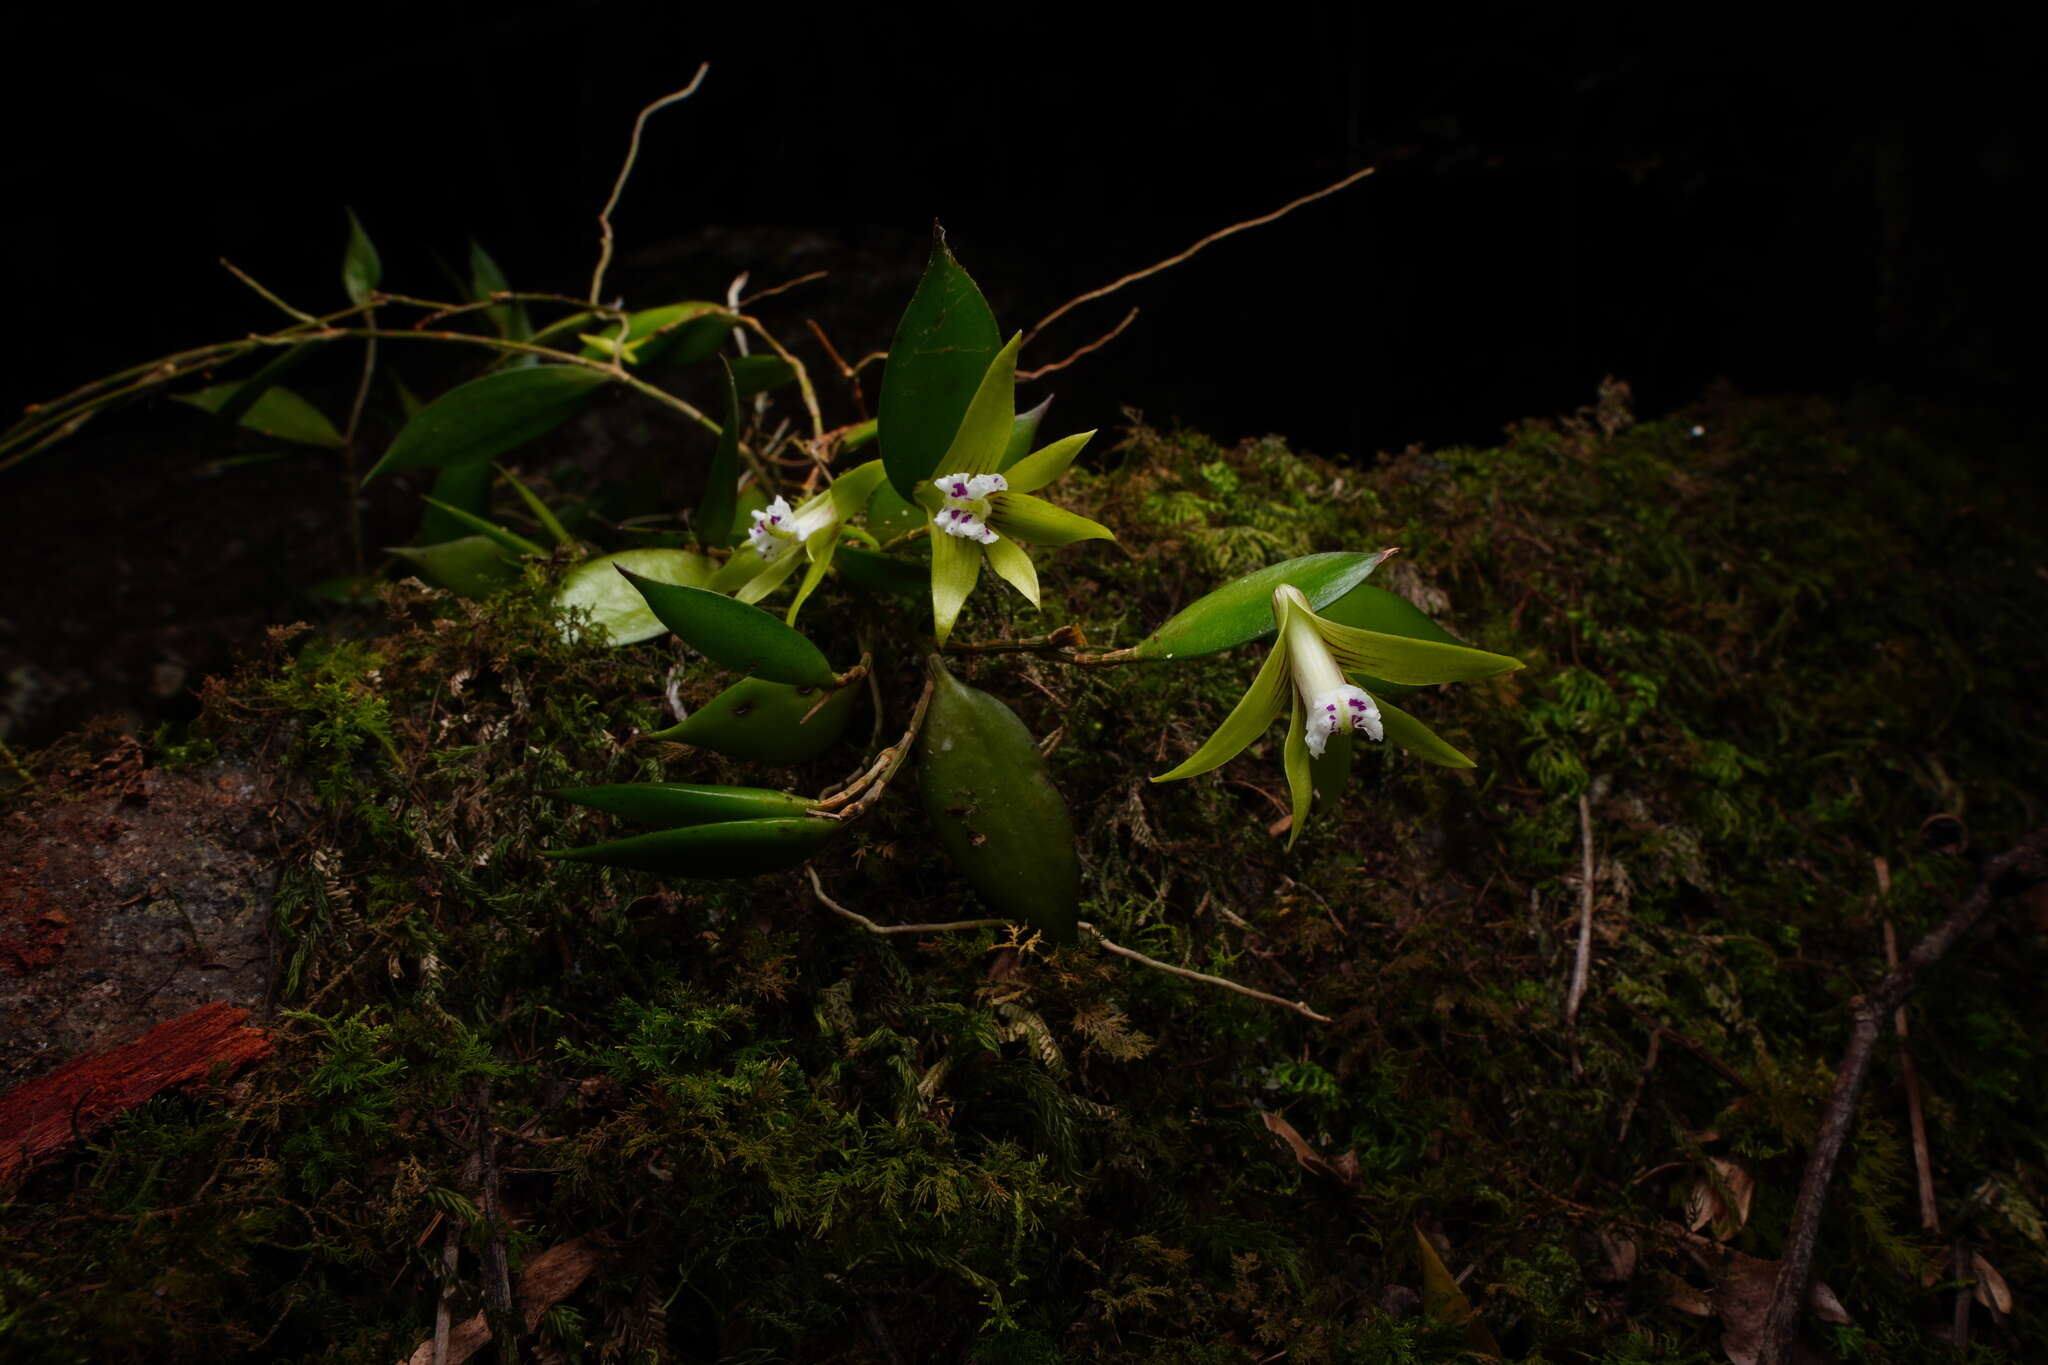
[[1673, 200]]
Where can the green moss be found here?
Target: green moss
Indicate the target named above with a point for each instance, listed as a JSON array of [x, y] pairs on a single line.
[[1762, 656]]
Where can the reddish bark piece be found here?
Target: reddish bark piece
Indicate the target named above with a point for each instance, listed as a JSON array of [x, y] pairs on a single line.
[[83, 1096]]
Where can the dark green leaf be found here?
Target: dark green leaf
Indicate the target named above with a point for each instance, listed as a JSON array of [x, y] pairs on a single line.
[[680, 333], [361, 271], [490, 530], [465, 486], [766, 722], [942, 347], [721, 484], [486, 417], [884, 573], [739, 848], [735, 635], [997, 814], [474, 566], [1241, 610], [256, 385], [277, 411], [671, 805], [760, 373], [485, 279]]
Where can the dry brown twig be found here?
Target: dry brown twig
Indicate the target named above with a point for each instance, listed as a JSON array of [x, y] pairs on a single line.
[[1213, 237], [1111, 335], [2022, 865], [1583, 963]]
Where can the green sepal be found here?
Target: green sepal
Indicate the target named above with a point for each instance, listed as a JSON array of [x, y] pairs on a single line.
[[1041, 467], [735, 635], [1038, 522], [1013, 566], [1245, 723], [1417, 738], [671, 805], [1373, 608], [738, 848], [818, 549], [1241, 611], [764, 722], [1023, 432], [850, 491], [1294, 760], [956, 564], [1401, 659]]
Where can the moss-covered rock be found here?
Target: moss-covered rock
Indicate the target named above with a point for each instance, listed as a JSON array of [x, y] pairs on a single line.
[[1765, 641]]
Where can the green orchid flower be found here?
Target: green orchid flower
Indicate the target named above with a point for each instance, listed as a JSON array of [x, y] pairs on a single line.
[[978, 512], [783, 537], [1325, 666]]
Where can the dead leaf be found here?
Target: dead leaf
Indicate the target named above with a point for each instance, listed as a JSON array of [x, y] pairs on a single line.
[[1442, 1298], [1686, 1299], [1992, 1290], [1621, 1257], [1742, 1297], [1344, 1170], [548, 1279], [1721, 1198]]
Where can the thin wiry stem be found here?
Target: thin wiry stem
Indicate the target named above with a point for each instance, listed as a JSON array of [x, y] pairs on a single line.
[[1172, 261], [604, 217]]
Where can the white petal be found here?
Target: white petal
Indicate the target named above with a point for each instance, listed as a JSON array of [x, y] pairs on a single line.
[[1341, 708]]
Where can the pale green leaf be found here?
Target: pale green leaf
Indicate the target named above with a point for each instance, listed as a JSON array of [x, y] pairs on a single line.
[[595, 588]]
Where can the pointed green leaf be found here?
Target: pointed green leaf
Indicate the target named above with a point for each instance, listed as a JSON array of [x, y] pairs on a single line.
[[276, 411], [256, 385], [956, 564], [1037, 522], [995, 810], [467, 486], [490, 415], [1417, 738], [1400, 659], [1245, 723], [361, 270], [549, 522], [977, 447], [733, 634], [676, 333], [595, 588], [1014, 567], [765, 722], [1241, 610], [1023, 432], [738, 848], [408, 402], [483, 526], [473, 566], [819, 550], [671, 805], [721, 483], [1442, 1299], [883, 573], [1042, 467], [485, 279], [941, 350]]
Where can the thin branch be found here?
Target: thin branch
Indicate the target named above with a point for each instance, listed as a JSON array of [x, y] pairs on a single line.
[[604, 217], [1133, 955], [1061, 646], [856, 800], [1583, 963], [1916, 1115], [1216, 236], [803, 376], [948, 927], [268, 297], [2021, 865], [772, 290], [846, 371], [352, 486], [1111, 335]]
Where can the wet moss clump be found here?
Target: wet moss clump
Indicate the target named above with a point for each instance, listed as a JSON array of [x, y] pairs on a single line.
[[1765, 641]]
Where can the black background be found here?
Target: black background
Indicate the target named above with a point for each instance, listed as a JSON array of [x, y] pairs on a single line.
[[1674, 199]]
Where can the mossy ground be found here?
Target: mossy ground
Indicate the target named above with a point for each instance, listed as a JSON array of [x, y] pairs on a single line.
[[1765, 653]]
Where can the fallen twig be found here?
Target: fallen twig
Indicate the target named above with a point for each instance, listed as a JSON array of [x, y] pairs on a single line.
[[1583, 963], [2022, 865]]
